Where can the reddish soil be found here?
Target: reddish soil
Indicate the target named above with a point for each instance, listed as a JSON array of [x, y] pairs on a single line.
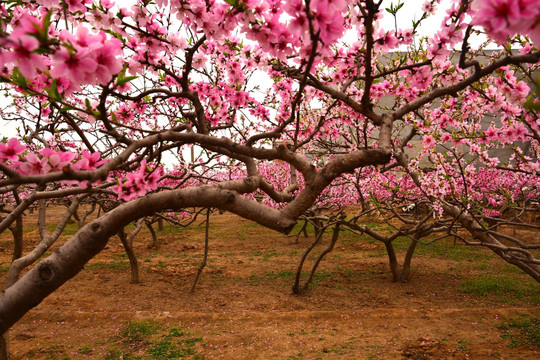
[[243, 307]]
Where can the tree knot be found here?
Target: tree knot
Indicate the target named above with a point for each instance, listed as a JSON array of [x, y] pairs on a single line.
[[45, 271], [95, 227]]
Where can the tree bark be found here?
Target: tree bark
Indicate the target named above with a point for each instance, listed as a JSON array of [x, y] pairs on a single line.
[[406, 269], [330, 247], [153, 233], [392, 260], [133, 263], [4, 346], [205, 256]]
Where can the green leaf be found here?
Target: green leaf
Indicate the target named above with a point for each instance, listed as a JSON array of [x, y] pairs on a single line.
[[18, 79], [121, 81], [236, 4], [87, 104], [66, 108], [53, 91]]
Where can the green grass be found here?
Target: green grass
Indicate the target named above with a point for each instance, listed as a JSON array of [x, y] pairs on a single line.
[[446, 249], [266, 255], [147, 340], [462, 345], [504, 286], [249, 225], [53, 352], [117, 354], [70, 228], [136, 332], [283, 275], [112, 265], [170, 347], [521, 330], [85, 350]]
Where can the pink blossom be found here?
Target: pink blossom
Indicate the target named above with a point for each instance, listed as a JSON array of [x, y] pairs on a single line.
[[77, 5], [446, 137], [27, 25], [107, 4], [428, 141], [108, 63], [33, 165], [89, 161], [11, 149], [75, 66], [24, 57], [427, 7], [502, 18], [199, 61]]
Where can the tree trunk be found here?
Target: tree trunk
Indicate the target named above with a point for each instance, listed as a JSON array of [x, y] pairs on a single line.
[[153, 233], [133, 263], [4, 346], [17, 232], [70, 258], [296, 286], [205, 256], [392, 260], [406, 270], [330, 247]]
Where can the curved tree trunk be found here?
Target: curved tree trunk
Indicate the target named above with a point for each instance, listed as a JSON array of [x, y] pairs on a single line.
[[392, 260], [330, 247], [4, 346], [406, 269], [296, 286], [153, 233], [402, 274], [133, 263], [205, 256]]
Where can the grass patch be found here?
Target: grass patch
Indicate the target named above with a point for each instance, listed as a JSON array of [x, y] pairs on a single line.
[[522, 330], [70, 229], [147, 340], [112, 265], [85, 350], [446, 249], [53, 352], [4, 268], [462, 345], [283, 275], [135, 333], [512, 287], [117, 354], [266, 255]]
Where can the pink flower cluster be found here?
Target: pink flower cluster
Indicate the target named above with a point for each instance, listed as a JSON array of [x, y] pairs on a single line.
[[504, 18], [82, 58], [87, 57], [138, 183], [20, 48], [17, 157]]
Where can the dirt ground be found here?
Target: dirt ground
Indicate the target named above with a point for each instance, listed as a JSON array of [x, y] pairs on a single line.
[[243, 307]]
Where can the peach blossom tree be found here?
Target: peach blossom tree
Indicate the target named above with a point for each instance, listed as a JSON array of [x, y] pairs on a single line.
[[266, 109]]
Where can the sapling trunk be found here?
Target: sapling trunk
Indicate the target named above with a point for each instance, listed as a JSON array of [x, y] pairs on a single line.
[[330, 247], [296, 286], [205, 256], [133, 263], [153, 233]]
